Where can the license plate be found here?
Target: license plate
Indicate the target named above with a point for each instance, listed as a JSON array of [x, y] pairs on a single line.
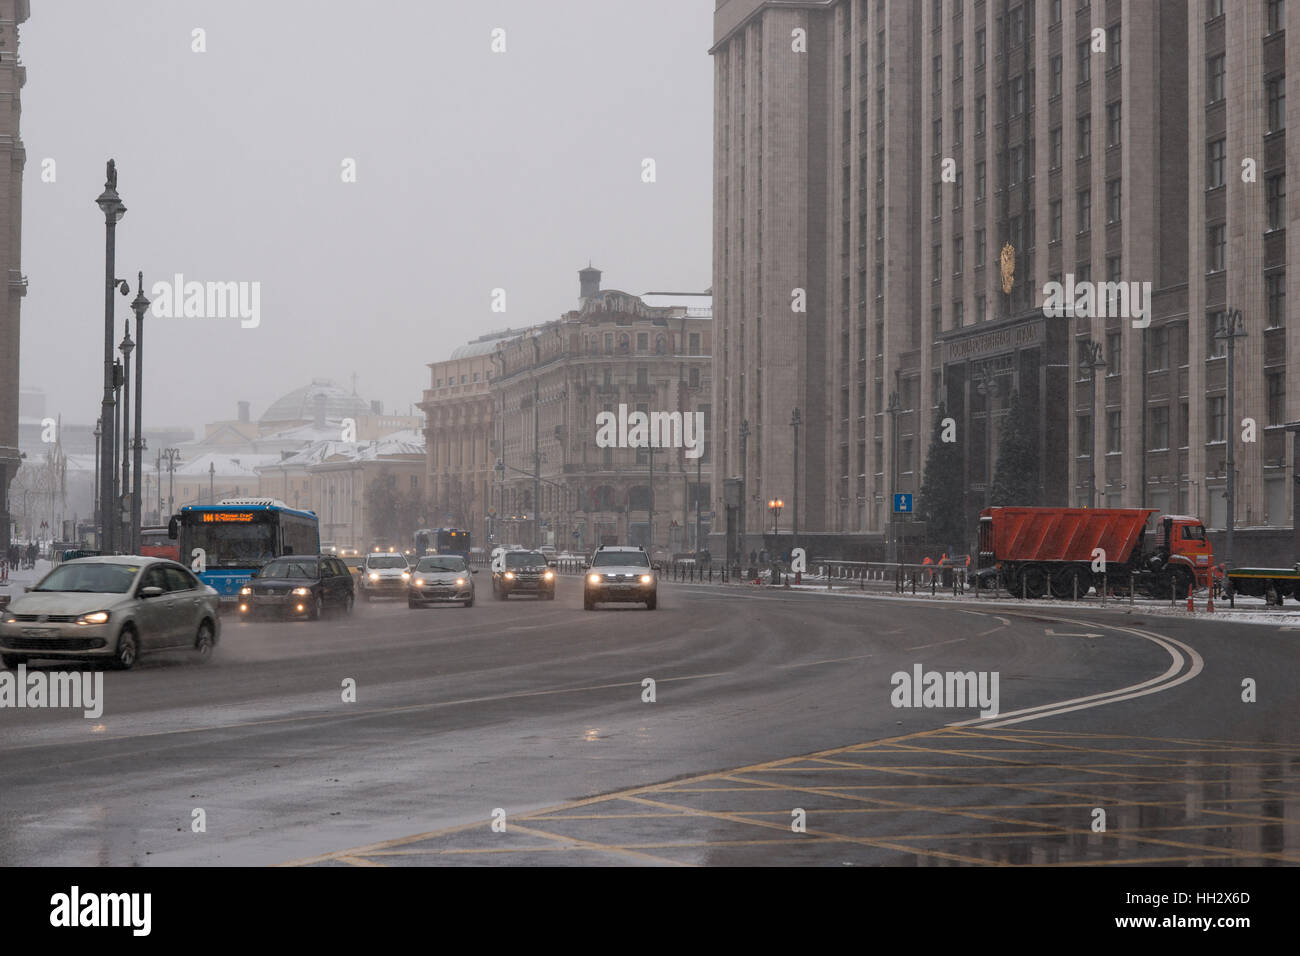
[[39, 632]]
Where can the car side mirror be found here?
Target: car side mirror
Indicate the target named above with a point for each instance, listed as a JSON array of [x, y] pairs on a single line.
[[656, 566], [151, 592], [586, 565]]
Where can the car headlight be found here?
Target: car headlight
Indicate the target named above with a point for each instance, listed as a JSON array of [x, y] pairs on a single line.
[[374, 576], [548, 575], [646, 579], [245, 590], [419, 582], [94, 617], [302, 592], [460, 582], [593, 578], [510, 575], [406, 575], [10, 619]]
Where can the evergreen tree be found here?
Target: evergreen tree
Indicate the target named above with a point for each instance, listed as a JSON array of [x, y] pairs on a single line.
[[1015, 479], [942, 492]]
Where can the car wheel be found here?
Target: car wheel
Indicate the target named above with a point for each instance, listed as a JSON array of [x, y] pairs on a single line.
[[470, 602], [204, 642], [410, 602], [588, 604], [317, 608], [12, 661], [125, 656], [366, 595], [652, 602], [348, 601]]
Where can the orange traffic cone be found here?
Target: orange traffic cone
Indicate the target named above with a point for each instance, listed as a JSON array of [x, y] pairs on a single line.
[[1191, 603]]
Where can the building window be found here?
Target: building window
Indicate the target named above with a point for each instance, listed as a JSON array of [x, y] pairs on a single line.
[[1275, 293], [694, 340], [642, 341], [1114, 356], [1114, 203], [1085, 136], [1054, 219], [958, 191], [1114, 123], [1158, 351], [1215, 163], [937, 132], [1016, 170], [1114, 432], [1054, 13], [1216, 248], [938, 72], [958, 314], [956, 60], [936, 198], [1213, 9], [1215, 419], [979, 248], [1158, 428], [981, 180], [1017, 95], [981, 102], [1276, 104], [1114, 266], [956, 255], [695, 378], [1085, 62], [957, 117], [1113, 36], [979, 308], [1016, 26], [979, 47], [1083, 436], [1085, 210], [1056, 75], [1214, 78], [936, 321], [1055, 149], [1276, 192], [1276, 15], [642, 377], [1215, 347], [1276, 397], [609, 343], [936, 253]]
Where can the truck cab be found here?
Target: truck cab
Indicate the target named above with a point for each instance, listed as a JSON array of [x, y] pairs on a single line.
[[1181, 539]]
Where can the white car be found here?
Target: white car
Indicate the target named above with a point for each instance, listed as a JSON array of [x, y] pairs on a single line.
[[384, 575]]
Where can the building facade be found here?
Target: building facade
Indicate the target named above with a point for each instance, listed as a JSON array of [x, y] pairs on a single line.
[[561, 480], [898, 185], [13, 157]]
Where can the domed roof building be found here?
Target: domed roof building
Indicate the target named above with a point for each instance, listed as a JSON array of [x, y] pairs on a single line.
[[307, 404]]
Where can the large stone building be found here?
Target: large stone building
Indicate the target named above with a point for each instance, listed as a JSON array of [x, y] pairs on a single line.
[[560, 482], [12, 77], [874, 158]]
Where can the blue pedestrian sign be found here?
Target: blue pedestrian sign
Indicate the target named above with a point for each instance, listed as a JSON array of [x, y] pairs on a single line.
[[902, 504]]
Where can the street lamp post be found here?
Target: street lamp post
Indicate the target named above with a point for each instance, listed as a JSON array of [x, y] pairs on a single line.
[[775, 505], [1231, 330], [1091, 362], [795, 422], [111, 205], [113, 520], [99, 433], [173, 455], [985, 388], [127, 347], [744, 483], [212, 480], [893, 408], [138, 305]]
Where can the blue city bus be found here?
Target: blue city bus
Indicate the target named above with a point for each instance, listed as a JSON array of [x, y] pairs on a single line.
[[239, 535]]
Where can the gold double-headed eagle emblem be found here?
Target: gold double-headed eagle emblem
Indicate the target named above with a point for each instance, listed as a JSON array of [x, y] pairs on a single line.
[[1008, 268]]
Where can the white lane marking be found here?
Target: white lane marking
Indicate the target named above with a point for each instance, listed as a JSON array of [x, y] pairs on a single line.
[[1052, 633], [920, 647], [1169, 679]]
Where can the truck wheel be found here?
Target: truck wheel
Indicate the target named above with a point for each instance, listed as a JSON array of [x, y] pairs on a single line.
[[1034, 583], [1063, 583]]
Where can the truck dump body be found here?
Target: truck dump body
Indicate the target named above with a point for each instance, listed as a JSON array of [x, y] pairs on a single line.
[[1061, 534]]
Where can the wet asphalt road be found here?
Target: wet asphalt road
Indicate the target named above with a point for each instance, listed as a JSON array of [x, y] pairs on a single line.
[[527, 706]]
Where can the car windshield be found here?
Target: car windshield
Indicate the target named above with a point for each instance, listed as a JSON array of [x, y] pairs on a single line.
[[635, 559], [386, 561], [446, 562], [90, 578], [286, 568], [525, 559], [354, 562]]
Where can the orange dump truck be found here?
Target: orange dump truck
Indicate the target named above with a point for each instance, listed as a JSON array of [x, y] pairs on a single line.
[[1067, 550]]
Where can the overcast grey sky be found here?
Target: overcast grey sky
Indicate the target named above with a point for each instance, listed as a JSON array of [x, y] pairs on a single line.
[[475, 170]]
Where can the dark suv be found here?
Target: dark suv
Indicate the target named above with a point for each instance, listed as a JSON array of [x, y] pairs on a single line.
[[298, 586], [524, 572]]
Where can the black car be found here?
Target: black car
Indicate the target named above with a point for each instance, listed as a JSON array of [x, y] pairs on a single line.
[[298, 586], [524, 572]]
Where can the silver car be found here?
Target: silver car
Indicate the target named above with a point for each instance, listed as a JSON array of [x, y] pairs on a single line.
[[384, 574], [441, 578], [111, 608]]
